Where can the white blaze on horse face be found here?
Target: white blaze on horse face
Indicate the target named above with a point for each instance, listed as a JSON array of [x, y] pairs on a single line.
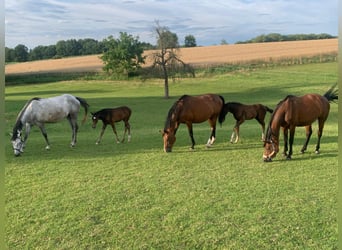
[[94, 118], [270, 151], [169, 140]]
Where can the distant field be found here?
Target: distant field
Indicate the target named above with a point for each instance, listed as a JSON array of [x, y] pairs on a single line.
[[197, 56]]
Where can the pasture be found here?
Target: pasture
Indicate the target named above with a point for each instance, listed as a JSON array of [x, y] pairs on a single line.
[[135, 196]]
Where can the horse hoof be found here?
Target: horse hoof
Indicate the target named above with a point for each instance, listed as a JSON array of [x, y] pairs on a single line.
[[47, 147], [317, 152], [288, 158]]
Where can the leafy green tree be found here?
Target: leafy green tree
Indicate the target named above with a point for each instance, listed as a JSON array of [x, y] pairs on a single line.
[[9, 55], [89, 46], [190, 41], [21, 53], [122, 56]]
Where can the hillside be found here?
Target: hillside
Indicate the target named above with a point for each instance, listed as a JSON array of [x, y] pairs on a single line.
[[196, 56]]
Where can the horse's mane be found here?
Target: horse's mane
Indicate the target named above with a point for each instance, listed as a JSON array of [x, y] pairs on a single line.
[[269, 129], [232, 105], [173, 110], [19, 124]]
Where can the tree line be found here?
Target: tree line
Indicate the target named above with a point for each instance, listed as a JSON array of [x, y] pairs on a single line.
[[71, 47], [63, 48], [276, 37]]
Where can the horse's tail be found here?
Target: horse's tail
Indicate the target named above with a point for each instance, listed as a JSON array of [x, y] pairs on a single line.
[[223, 112], [332, 94], [85, 105], [268, 109]]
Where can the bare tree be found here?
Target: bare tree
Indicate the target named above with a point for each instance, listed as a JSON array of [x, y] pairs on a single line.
[[166, 56]]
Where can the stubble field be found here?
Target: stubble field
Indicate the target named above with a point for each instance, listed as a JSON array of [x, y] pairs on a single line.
[[209, 55]]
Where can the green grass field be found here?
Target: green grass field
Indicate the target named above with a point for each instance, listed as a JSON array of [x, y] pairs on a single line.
[[135, 196]]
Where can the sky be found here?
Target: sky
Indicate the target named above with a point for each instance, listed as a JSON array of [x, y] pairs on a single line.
[[45, 22]]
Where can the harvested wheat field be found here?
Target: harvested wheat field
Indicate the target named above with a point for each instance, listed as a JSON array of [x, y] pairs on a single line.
[[208, 55]]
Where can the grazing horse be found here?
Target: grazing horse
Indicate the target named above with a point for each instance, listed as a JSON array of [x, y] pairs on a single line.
[[110, 116], [242, 112], [297, 111], [39, 111], [192, 109]]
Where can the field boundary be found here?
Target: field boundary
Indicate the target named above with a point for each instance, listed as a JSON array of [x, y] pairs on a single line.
[[196, 56]]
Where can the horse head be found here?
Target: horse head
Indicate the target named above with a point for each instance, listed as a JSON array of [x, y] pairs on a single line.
[[169, 139], [271, 149], [94, 118], [17, 144]]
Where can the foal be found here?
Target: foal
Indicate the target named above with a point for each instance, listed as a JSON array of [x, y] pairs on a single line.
[[242, 112], [110, 116]]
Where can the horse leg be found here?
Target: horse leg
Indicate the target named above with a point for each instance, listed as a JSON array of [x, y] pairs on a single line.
[[127, 128], [116, 134], [308, 133], [320, 132], [236, 131], [262, 123], [285, 133], [42, 129], [74, 127], [101, 133], [191, 134], [212, 138], [292, 133], [232, 136]]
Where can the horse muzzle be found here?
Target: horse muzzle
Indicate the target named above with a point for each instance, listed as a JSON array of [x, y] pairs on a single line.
[[17, 153], [167, 150], [268, 158], [18, 147]]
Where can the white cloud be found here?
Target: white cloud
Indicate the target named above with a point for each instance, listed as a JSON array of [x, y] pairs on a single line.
[[35, 23]]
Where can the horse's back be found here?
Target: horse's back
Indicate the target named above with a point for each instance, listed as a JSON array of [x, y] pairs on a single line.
[[198, 109], [306, 109], [114, 114]]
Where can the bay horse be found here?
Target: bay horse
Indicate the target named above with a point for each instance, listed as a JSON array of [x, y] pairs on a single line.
[[39, 111], [295, 111], [110, 116], [192, 109], [243, 112]]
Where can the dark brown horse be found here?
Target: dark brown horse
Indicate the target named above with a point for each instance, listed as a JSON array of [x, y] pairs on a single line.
[[297, 111], [189, 110], [110, 116], [242, 112]]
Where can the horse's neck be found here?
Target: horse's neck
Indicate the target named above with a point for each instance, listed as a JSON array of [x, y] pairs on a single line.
[[277, 120], [173, 124], [173, 118]]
